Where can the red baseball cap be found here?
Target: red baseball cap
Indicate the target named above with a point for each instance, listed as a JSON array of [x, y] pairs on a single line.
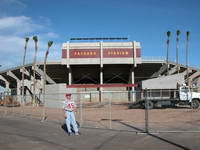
[[68, 94]]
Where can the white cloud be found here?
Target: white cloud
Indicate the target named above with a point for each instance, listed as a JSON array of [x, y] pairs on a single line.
[[15, 6], [18, 25], [12, 51], [49, 35], [10, 43], [13, 30], [13, 2], [52, 35]]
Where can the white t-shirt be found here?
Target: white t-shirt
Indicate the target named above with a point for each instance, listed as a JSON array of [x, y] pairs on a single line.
[[69, 105]]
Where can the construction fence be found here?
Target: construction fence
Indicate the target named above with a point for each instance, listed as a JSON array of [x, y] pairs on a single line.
[[115, 111]]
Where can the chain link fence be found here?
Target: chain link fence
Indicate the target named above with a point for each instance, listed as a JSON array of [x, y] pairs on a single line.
[[141, 111], [172, 111]]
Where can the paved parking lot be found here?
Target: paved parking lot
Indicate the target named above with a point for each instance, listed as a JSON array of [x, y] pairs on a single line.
[[24, 133]]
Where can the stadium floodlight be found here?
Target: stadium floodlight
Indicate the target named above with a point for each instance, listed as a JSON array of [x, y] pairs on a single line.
[[111, 38]]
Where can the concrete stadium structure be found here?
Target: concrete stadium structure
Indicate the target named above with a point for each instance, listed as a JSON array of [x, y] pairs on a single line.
[[89, 64]]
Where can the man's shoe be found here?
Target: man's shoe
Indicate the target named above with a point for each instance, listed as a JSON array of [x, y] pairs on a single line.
[[70, 134], [77, 133]]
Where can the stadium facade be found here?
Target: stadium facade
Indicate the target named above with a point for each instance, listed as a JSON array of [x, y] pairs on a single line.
[[95, 66]]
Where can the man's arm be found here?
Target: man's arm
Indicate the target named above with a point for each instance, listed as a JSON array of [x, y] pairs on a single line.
[[65, 115], [64, 109]]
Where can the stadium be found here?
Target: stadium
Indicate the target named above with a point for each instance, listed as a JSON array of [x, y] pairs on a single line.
[[97, 66]]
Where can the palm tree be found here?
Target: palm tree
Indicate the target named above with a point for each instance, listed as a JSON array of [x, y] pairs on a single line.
[[178, 32], [167, 57], [50, 43], [25, 48], [187, 43], [35, 38]]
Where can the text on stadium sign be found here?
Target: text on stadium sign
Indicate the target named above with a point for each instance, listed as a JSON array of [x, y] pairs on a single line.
[[95, 53]]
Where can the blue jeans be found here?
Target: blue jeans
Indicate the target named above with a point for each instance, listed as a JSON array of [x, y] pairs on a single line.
[[70, 120]]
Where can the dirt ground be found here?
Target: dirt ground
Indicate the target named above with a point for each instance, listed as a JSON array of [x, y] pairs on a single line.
[[117, 116]]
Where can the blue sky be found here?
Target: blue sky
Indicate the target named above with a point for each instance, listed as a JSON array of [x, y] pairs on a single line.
[[146, 21]]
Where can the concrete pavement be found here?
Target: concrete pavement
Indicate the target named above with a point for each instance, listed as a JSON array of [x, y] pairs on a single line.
[[31, 134]]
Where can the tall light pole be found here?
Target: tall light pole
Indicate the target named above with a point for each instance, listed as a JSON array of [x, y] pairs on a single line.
[[178, 32], [167, 57], [35, 38], [44, 78], [24, 58], [187, 43]]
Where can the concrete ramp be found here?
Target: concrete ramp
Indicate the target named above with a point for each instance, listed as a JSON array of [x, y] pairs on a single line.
[[164, 82]]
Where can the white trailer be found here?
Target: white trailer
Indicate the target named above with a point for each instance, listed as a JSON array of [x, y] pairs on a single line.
[[166, 91]]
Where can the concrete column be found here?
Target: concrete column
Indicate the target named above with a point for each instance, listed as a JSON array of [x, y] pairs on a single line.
[[68, 58], [101, 72], [134, 54], [136, 61], [101, 76], [18, 87], [101, 89], [70, 76], [11, 74], [25, 71], [7, 84], [132, 82], [68, 64], [31, 85], [101, 54], [7, 88]]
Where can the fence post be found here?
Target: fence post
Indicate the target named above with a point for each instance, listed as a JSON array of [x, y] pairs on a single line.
[[110, 110], [90, 97], [81, 111], [44, 116], [146, 113]]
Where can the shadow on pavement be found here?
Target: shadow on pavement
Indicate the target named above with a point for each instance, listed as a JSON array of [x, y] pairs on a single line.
[[155, 136], [64, 127]]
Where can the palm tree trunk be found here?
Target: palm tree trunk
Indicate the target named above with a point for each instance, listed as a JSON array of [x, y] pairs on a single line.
[[167, 56], [177, 40], [44, 86], [187, 43], [24, 58], [44, 80], [34, 69], [177, 46]]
